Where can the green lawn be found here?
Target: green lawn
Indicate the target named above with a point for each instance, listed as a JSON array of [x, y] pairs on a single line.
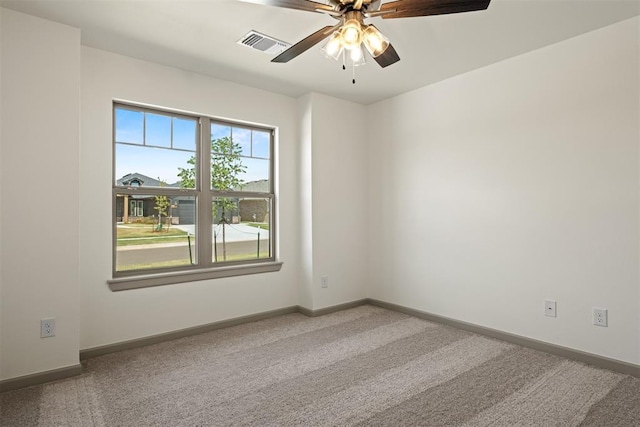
[[145, 234]]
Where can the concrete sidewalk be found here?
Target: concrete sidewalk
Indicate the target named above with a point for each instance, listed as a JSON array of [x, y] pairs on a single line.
[[233, 232]]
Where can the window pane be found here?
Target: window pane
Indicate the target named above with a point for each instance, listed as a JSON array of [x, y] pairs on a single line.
[[255, 176], [261, 144], [154, 166], [242, 137], [184, 134], [158, 130], [241, 229], [233, 170], [129, 126], [154, 231], [219, 132], [233, 173], [226, 170], [236, 173]]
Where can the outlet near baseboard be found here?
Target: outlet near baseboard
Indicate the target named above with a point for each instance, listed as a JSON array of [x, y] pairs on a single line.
[[600, 317], [48, 328], [324, 281]]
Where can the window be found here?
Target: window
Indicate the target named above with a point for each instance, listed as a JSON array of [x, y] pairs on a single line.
[[136, 208], [193, 198]]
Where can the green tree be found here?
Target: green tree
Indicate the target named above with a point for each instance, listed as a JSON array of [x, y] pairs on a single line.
[[226, 167], [162, 204]]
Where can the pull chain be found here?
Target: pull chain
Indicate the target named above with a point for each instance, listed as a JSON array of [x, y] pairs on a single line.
[[353, 68]]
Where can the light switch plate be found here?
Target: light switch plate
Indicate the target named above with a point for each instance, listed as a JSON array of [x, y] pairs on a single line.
[[550, 308]]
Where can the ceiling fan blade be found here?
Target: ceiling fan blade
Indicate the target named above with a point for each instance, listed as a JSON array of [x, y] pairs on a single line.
[[308, 5], [388, 57], [411, 8], [305, 44]]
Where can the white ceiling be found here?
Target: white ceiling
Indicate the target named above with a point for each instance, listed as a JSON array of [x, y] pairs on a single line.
[[201, 36]]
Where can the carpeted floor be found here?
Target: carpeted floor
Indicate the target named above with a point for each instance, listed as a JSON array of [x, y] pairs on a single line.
[[365, 366]]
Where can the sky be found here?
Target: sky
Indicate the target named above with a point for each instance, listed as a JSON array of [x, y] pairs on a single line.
[[157, 145]]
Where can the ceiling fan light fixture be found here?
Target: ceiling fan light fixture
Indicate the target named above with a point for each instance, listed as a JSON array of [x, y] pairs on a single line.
[[351, 27], [357, 57], [375, 42], [351, 34], [333, 47]]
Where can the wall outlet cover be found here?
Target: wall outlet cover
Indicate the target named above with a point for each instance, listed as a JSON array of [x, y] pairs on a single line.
[[324, 281], [600, 317], [47, 328]]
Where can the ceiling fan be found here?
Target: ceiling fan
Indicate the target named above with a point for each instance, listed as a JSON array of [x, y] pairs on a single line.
[[351, 32]]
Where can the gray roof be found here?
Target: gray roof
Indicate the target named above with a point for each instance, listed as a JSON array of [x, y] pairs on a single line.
[[260, 186], [143, 180]]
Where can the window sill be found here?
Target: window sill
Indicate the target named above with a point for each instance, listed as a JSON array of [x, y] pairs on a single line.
[[160, 279]]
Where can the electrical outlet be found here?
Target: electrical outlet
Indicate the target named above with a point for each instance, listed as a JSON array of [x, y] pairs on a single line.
[[600, 316], [550, 308], [47, 328], [324, 281]]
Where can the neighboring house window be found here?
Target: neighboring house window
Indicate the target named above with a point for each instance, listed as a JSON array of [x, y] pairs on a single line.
[[136, 208], [191, 194]]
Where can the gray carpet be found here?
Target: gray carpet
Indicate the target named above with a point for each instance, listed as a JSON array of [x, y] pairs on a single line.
[[365, 366]]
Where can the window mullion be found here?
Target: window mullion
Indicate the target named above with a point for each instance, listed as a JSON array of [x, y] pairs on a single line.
[[205, 200]]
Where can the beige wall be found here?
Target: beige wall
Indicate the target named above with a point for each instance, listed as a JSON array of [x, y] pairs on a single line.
[[39, 262], [305, 207], [516, 183], [334, 223]]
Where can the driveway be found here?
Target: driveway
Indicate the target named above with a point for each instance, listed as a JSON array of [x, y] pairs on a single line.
[[233, 232]]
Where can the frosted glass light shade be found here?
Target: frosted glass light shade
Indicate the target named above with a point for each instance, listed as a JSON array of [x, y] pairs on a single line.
[[333, 47], [351, 34], [375, 42], [357, 56]]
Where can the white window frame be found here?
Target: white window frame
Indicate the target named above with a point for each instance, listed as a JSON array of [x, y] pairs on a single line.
[[205, 268]]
